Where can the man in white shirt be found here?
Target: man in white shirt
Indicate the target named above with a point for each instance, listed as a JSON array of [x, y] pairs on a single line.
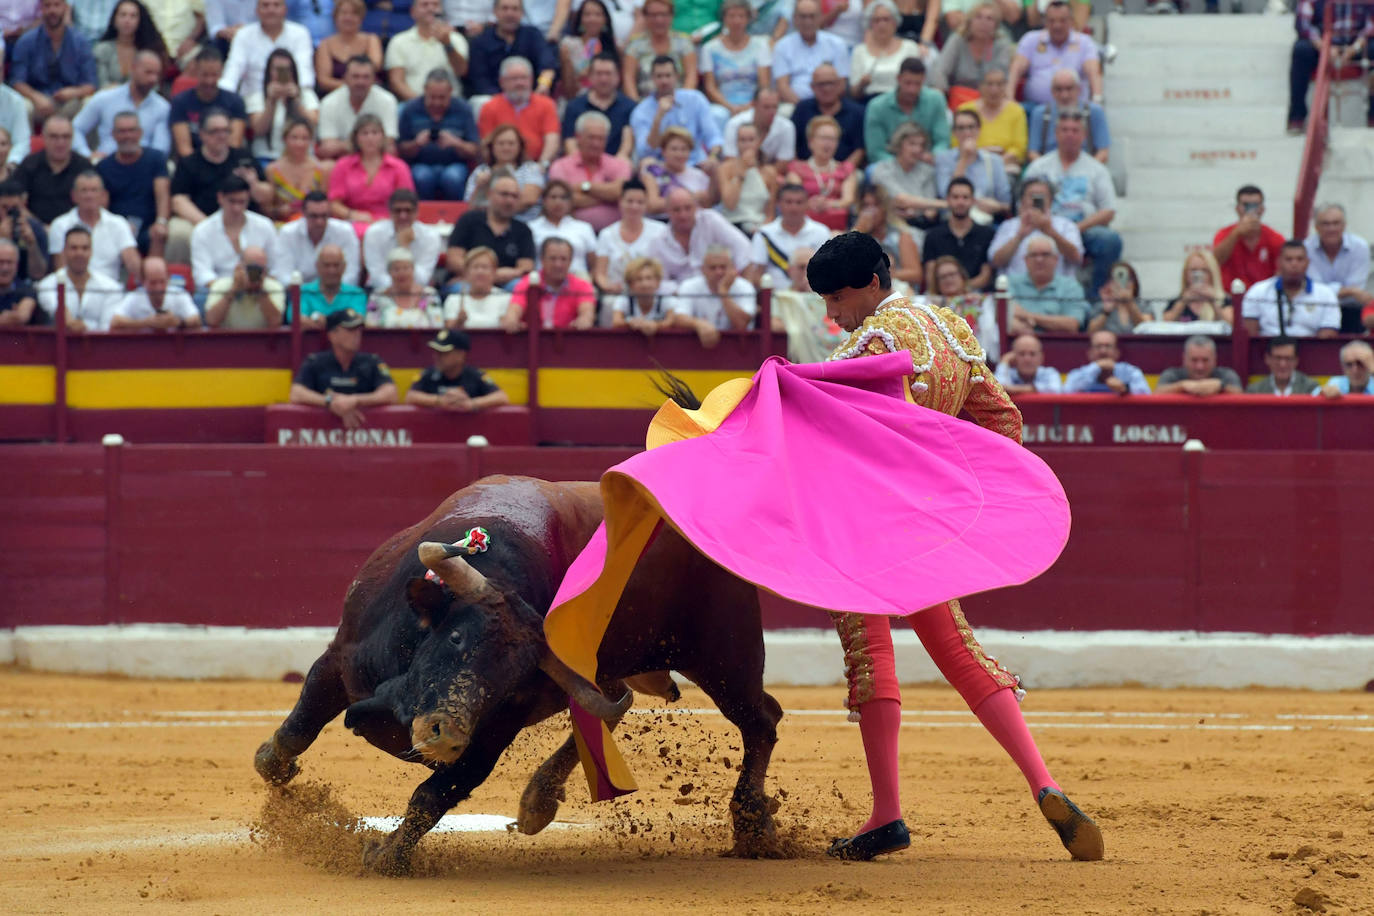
[[779, 134], [243, 71], [691, 231], [216, 243], [773, 244], [401, 231], [138, 95], [157, 305], [431, 44], [112, 241], [1340, 260], [797, 54], [359, 94], [298, 244], [90, 297], [717, 299], [1291, 304]]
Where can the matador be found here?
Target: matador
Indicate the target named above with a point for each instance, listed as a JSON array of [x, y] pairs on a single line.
[[949, 374]]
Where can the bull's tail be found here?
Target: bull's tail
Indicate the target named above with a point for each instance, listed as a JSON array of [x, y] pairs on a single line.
[[675, 389]]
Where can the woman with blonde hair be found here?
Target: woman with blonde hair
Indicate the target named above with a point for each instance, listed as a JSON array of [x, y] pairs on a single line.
[[1201, 296], [874, 61], [949, 282], [670, 170], [970, 53], [296, 172], [405, 303], [643, 308], [482, 304], [832, 185], [1004, 129], [657, 39]]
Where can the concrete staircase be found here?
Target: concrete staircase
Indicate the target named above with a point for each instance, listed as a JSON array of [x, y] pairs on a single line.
[[1196, 106]]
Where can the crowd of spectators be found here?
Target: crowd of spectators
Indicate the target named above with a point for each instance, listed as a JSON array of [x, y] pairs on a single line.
[[649, 165]]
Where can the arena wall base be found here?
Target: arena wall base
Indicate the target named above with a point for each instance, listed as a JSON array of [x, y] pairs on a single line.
[[1043, 658]]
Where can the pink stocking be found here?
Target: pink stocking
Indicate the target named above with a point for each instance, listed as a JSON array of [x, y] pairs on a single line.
[[873, 693], [880, 722], [985, 686]]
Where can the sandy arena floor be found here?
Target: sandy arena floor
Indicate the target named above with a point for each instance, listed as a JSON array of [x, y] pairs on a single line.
[[135, 795]]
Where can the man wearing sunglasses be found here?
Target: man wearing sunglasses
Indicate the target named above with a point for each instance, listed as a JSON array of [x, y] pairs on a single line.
[[1357, 366]]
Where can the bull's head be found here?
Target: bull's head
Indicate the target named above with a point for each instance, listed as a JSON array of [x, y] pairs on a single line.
[[484, 644]]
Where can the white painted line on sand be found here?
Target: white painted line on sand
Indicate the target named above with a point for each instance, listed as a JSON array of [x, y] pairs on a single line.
[[1101, 720], [467, 823], [449, 823]]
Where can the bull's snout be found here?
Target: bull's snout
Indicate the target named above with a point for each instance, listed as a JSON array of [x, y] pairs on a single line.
[[439, 737]]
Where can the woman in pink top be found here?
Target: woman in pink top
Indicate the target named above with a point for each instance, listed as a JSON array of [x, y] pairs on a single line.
[[831, 185], [361, 183]]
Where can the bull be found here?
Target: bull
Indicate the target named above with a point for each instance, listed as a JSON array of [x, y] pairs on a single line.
[[447, 673]]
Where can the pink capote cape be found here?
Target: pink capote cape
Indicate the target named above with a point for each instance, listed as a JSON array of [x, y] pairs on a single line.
[[821, 483]]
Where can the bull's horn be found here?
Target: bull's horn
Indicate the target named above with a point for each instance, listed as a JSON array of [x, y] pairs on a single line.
[[584, 691], [461, 579]]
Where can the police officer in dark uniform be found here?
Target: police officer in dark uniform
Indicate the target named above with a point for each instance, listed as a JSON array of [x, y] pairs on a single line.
[[342, 379], [451, 384]]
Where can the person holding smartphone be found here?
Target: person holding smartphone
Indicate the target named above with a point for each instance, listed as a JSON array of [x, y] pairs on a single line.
[[1118, 306], [1247, 250], [250, 299], [1201, 296], [1008, 249]]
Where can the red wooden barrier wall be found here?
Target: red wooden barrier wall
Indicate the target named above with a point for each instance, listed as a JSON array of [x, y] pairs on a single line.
[[263, 536]]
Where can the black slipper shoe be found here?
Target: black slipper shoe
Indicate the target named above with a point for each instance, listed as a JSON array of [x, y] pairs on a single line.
[[879, 841], [1080, 836]]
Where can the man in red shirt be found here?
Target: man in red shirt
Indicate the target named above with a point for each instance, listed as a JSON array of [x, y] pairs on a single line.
[[532, 113], [1247, 250], [565, 300]]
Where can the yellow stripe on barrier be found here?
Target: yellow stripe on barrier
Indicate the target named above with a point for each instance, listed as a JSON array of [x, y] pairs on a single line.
[[619, 388], [27, 384], [113, 389]]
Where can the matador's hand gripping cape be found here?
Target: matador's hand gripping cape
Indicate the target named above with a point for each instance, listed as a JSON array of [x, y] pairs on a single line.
[[822, 484]]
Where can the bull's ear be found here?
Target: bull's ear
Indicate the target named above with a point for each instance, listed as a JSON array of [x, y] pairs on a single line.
[[427, 600]]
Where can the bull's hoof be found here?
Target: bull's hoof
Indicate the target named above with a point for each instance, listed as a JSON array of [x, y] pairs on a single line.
[[538, 805], [756, 835], [272, 767], [386, 858], [756, 846]]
